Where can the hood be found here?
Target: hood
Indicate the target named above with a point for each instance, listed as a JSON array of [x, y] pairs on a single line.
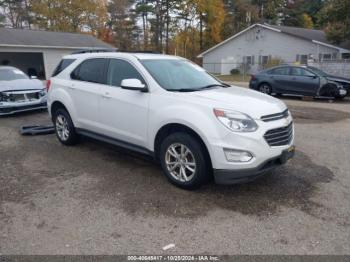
[[21, 84], [240, 99], [339, 79]]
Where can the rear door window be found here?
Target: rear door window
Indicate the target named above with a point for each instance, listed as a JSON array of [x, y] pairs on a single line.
[[281, 71], [92, 70], [62, 65]]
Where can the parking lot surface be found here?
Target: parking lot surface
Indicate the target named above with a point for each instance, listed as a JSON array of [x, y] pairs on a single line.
[[97, 199]]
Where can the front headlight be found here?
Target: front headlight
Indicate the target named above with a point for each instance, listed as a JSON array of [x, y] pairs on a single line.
[[3, 97], [236, 121], [42, 93]]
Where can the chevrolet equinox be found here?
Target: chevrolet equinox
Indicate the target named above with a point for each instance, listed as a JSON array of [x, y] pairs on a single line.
[[194, 125]]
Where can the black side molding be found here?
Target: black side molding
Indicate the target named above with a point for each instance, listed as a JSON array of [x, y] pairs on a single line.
[[115, 142]]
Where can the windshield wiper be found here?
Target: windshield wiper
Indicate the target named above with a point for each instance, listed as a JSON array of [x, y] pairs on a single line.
[[184, 90], [213, 85], [197, 89]]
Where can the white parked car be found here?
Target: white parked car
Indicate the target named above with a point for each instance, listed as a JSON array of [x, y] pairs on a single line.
[[169, 108], [19, 93]]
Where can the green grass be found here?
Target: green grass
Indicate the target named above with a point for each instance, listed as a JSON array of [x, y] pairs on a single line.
[[233, 78]]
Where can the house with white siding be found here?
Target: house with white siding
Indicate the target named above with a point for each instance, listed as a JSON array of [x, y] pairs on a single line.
[[253, 47], [38, 52]]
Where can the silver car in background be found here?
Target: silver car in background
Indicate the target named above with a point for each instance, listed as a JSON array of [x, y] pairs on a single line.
[[19, 93]]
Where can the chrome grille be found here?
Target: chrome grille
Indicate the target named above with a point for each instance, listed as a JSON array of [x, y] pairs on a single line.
[[275, 117], [32, 96], [17, 97], [280, 136]]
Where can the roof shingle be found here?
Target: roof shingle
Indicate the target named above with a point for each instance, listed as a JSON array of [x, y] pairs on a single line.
[[309, 34], [9, 36]]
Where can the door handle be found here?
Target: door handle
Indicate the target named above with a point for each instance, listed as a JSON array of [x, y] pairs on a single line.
[[106, 95], [71, 86]]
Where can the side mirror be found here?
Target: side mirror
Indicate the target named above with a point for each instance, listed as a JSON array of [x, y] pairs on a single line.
[[33, 77], [133, 84]]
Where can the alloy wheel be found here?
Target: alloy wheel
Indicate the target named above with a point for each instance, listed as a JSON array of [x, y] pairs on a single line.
[[265, 89], [180, 162], [62, 128]]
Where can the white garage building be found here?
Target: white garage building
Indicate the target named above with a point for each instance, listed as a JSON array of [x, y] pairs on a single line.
[[38, 52], [253, 47]]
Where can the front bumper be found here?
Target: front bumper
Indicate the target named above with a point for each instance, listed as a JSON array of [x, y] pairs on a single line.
[[12, 108], [264, 155], [229, 176], [342, 92]]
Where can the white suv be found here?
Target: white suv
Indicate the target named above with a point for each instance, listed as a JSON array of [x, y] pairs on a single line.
[[168, 107]]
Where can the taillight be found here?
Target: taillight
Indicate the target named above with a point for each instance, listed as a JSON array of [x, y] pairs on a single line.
[[48, 84], [253, 77]]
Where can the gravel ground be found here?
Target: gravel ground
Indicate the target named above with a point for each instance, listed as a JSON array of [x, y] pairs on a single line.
[[97, 199]]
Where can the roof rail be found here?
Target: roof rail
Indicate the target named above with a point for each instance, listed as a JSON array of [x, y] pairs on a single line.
[[105, 50], [140, 52], [95, 50]]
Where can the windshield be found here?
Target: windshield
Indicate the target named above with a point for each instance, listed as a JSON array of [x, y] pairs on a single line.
[[317, 71], [180, 75], [12, 74]]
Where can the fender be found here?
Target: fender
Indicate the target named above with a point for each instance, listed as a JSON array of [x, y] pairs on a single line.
[[197, 119]]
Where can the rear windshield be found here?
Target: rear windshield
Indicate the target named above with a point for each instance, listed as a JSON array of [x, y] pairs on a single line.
[[12, 74], [62, 65]]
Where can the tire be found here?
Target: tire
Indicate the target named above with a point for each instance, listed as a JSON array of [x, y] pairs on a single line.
[[64, 128], [194, 162], [329, 90], [265, 89]]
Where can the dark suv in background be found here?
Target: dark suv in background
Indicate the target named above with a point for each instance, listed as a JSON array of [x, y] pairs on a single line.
[[299, 80]]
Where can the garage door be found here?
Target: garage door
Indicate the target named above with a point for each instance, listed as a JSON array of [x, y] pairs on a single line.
[[30, 63]]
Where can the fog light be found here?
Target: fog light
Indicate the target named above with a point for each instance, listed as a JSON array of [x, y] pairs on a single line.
[[342, 92], [233, 155]]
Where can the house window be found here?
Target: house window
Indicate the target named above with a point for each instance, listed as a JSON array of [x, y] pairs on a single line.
[[263, 59], [248, 60], [328, 57], [302, 59], [345, 55]]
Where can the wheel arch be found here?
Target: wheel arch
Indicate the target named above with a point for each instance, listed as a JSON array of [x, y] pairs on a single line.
[[56, 105], [328, 89], [171, 128]]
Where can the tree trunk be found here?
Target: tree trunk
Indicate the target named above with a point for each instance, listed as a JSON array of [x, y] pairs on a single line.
[[27, 13], [167, 27], [201, 32]]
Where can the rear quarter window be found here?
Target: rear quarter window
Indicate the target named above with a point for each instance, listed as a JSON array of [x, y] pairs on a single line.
[[62, 65]]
